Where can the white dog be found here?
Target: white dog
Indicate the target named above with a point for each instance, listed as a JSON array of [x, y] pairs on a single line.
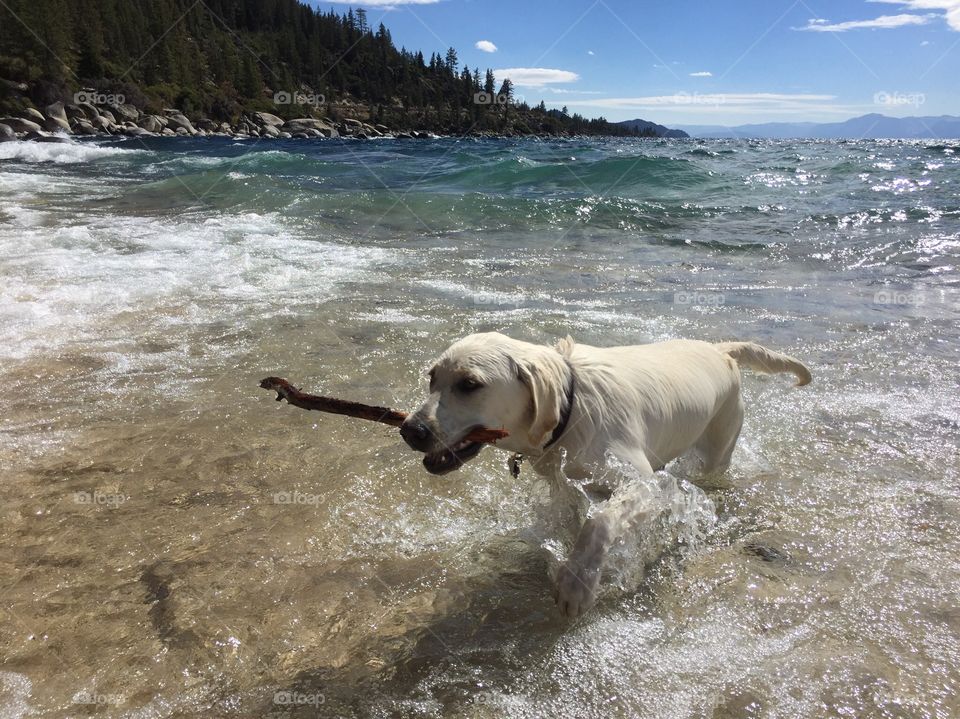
[[645, 404]]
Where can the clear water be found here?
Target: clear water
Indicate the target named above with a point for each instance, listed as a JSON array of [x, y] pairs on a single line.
[[179, 545]]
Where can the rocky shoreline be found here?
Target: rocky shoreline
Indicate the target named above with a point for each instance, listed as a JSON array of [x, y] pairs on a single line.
[[123, 119]]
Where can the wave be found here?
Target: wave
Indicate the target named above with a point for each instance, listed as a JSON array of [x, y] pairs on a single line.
[[61, 153], [590, 175]]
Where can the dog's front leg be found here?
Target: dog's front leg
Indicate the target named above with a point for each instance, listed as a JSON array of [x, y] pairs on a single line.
[[578, 578]]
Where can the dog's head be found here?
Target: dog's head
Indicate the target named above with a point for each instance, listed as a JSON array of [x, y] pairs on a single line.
[[488, 380]]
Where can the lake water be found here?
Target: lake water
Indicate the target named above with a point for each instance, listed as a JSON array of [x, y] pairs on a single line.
[[176, 544]]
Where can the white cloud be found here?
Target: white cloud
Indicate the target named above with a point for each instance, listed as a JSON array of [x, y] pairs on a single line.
[[485, 45], [590, 52], [535, 76], [950, 8], [692, 103], [884, 22], [565, 91], [924, 43], [703, 73]]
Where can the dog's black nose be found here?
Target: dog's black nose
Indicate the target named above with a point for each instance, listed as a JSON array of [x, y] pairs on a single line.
[[416, 434]]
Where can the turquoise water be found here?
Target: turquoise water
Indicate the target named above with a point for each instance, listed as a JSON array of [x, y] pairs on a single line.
[[146, 286]]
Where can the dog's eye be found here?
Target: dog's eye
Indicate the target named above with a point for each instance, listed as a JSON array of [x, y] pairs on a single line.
[[468, 385]]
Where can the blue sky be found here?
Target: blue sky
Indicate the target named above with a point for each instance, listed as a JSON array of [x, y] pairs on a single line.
[[686, 62]]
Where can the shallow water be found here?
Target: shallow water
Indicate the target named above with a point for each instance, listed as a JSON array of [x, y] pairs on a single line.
[[179, 545]]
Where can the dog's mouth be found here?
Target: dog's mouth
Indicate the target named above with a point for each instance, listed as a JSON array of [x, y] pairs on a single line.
[[452, 457]]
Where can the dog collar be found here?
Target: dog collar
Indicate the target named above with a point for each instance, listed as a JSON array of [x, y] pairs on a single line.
[[567, 410], [517, 459]]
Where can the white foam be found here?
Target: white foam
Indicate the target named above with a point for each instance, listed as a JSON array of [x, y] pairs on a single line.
[[61, 153], [15, 690], [77, 279]]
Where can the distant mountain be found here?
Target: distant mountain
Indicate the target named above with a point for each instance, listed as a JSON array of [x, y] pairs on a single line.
[[867, 127], [651, 129]]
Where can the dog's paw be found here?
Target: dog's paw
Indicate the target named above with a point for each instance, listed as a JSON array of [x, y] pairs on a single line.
[[575, 589]]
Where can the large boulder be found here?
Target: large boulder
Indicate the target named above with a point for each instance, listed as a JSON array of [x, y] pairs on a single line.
[[43, 137], [109, 115], [18, 124], [135, 131], [55, 124], [124, 111], [152, 123], [350, 122], [205, 123], [178, 121], [265, 119], [270, 131], [91, 112], [304, 123], [167, 132], [57, 110], [83, 127], [7, 133], [103, 124], [34, 115], [74, 112]]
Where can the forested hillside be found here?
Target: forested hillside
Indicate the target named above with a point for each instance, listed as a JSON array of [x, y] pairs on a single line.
[[219, 58]]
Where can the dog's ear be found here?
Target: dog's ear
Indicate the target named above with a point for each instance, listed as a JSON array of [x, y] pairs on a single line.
[[545, 395]]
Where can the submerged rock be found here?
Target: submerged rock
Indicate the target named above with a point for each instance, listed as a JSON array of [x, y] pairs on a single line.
[[43, 137]]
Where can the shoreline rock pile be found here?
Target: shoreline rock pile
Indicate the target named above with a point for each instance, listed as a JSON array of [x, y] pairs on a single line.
[[123, 119]]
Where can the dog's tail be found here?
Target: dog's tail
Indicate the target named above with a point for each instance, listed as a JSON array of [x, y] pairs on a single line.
[[760, 359]]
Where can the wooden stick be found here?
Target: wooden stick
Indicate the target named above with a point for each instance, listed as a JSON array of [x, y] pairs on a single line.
[[393, 417]]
